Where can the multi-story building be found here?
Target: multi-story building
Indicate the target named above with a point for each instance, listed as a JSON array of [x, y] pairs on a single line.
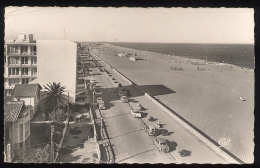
[[20, 62]]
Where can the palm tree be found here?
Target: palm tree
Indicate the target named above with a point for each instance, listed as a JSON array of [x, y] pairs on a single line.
[[54, 96]]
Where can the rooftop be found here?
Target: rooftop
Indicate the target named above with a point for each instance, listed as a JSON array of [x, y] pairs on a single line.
[[25, 90], [12, 110]]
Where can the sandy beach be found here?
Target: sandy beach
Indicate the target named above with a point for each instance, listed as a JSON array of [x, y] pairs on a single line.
[[205, 94]]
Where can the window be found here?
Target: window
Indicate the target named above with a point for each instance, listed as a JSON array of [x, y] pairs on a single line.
[[21, 132], [34, 71], [24, 71], [13, 71], [25, 81], [34, 60], [24, 49], [13, 61], [12, 82], [14, 49], [24, 60]]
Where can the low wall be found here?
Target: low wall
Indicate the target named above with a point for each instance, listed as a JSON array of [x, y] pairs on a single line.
[[127, 80], [214, 147]]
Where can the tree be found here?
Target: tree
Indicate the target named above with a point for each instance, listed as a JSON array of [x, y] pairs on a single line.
[[54, 96], [58, 115], [35, 155]]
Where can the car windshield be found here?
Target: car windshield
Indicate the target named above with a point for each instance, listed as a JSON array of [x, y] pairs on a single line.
[[97, 90], [163, 143]]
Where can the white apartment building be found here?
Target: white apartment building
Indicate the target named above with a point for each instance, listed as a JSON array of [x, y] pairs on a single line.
[[20, 62]]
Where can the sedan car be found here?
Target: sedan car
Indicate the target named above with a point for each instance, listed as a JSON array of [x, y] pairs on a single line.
[[97, 92], [121, 93], [161, 144]]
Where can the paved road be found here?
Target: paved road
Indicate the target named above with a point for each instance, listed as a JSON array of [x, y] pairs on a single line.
[[130, 142]]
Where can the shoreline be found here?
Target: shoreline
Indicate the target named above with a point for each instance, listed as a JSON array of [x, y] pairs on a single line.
[[180, 56]]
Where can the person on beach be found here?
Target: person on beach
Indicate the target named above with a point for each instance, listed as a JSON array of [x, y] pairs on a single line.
[[241, 98]]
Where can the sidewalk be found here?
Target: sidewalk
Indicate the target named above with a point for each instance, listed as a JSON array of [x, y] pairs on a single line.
[[103, 141]]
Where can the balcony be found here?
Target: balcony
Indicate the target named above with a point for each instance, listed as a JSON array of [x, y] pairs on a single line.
[[9, 87], [22, 54]]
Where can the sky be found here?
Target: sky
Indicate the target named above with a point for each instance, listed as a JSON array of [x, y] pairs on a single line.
[[158, 25]]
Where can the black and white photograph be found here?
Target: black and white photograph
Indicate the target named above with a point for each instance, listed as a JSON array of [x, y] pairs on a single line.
[[129, 85]]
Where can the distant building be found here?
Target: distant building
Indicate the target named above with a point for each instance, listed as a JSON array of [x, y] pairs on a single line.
[[29, 93], [16, 126], [20, 62], [57, 63]]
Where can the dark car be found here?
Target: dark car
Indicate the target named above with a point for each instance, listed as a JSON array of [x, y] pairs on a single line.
[[127, 92]]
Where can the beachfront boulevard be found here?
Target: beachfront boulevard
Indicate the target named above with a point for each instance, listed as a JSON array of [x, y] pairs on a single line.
[[129, 140]]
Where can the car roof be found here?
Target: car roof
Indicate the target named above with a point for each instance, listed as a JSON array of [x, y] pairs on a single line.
[[161, 140], [124, 97]]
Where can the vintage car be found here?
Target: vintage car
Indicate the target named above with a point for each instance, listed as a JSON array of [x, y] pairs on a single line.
[[161, 144], [124, 99], [97, 92], [121, 93], [136, 113], [101, 105]]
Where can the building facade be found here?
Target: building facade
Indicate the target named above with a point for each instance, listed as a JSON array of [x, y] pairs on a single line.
[[20, 62], [17, 127]]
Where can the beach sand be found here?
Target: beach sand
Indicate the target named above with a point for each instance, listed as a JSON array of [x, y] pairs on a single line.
[[205, 94]]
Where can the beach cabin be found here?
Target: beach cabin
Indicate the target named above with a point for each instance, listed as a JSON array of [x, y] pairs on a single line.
[[135, 58], [121, 54]]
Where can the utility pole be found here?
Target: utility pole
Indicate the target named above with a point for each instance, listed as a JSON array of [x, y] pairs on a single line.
[[101, 128], [52, 148], [68, 109]]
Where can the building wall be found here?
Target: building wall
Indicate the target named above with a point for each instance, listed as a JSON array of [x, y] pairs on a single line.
[[57, 63], [16, 140]]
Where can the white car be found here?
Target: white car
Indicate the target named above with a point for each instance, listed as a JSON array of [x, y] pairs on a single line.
[[136, 113], [99, 99], [101, 105], [124, 99]]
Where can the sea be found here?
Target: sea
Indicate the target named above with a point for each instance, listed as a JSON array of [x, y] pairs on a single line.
[[241, 55]]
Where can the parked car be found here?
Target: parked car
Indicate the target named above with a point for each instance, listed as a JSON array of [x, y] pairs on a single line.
[[99, 99], [124, 99], [161, 144], [119, 84], [97, 92], [127, 92], [101, 105], [151, 130], [136, 113], [121, 93]]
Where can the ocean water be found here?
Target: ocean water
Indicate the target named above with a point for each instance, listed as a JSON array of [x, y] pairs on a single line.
[[241, 55]]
